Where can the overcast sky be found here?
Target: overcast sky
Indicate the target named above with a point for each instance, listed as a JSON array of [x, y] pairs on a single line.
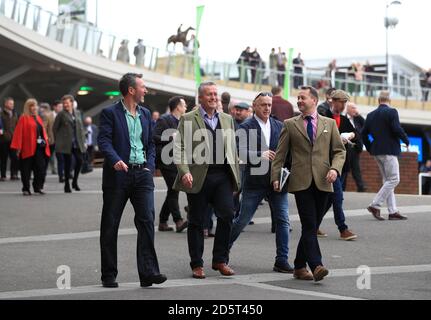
[[317, 28]]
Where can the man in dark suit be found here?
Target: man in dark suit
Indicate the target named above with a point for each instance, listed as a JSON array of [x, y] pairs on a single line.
[[325, 106], [125, 139], [318, 156], [385, 129], [281, 108], [338, 102], [163, 135], [258, 138], [209, 177], [353, 156]]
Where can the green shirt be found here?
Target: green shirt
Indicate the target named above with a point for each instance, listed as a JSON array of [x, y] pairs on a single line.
[[137, 152]]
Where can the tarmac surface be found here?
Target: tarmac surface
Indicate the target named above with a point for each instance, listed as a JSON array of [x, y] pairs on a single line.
[[39, 234]]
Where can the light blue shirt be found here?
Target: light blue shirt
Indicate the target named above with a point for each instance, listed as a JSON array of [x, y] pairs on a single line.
[[137, 152], [212, 122]]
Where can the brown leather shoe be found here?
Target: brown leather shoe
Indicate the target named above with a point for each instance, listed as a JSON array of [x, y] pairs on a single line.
[[376, 213], [181, 225], [396, 216], [302, 274], [165, 227], [224, 269], [319, 273], [347, 235], [198, 273]]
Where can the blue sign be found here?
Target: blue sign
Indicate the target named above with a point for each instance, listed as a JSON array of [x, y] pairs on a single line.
[[416, 144]]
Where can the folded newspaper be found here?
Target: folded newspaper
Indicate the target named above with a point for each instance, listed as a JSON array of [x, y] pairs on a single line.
[[284, 174]]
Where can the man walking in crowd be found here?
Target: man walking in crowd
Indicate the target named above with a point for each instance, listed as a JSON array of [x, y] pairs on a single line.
[[57, 107], [281, 108], [324, 107], [318, 155], [70, 140], [257, 149], [9, 120], [273, 68], [353, 156], [338, 102], [383, 124], [281, 67], [168, 124], [243, 62], [213, 181], [125, 139]]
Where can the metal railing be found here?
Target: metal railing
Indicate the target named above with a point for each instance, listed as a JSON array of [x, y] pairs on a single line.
[[87, 38]]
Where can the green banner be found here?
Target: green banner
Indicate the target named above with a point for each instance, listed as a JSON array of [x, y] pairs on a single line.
[[286, 93], [199, 14]]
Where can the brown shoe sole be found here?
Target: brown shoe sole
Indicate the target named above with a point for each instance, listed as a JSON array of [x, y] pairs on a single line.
[[319, 275]]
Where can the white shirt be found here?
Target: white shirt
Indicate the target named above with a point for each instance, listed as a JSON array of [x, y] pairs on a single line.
[[351, 120], [266, 129]]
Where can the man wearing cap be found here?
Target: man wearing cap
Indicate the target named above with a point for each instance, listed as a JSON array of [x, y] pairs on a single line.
[[349, 136], [258, 138], [325, 106], [139, 53], [240, 113], [384, 126]]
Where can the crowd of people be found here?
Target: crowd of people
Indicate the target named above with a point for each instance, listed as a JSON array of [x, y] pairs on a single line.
[[258, 143], [46, 136]]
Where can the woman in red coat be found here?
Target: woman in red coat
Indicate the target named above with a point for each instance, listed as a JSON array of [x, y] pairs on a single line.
[[31, 143]]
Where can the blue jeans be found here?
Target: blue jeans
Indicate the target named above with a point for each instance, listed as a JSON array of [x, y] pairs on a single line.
[[336, 199], [278, 201]]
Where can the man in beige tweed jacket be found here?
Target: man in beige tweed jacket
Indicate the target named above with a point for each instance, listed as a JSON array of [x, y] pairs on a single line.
[[317, 157]]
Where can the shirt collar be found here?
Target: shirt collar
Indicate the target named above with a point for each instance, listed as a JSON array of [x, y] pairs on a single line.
[[204, 114], [127, 111], [261, 121], [313, 116]]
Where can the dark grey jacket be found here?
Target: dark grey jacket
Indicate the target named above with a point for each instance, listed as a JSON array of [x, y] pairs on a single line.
[[63, 132]]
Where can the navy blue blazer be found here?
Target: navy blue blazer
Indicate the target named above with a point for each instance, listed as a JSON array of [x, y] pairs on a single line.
[[249, 152], [114, 142], [383, 124]]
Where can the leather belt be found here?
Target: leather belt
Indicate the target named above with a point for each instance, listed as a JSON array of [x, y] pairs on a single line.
[[134, 166]]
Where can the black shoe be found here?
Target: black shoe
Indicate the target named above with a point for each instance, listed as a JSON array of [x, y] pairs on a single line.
[[39, 191], [285, 268], [154, 279], [61, 180], [26, 193], [67, 188], [75, 186], [110, 284], [251, 223]]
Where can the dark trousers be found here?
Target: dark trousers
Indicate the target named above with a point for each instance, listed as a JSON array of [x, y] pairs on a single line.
[[138, 186], [336, 201], [60, 164], [76, 153], [354, 166], [217, 190], [37, 164], [311, 204], [5, 153], [170, 206], [280, 75]]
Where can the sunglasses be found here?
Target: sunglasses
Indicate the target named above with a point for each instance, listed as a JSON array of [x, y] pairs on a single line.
[[263, 94]]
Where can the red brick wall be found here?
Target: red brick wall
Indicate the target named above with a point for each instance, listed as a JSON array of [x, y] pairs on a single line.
[[373, 180]]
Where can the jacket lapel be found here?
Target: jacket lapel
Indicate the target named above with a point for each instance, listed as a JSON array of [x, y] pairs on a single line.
[[119, 109], [144, 125], [274, 138], [321, 126], [299, 124]]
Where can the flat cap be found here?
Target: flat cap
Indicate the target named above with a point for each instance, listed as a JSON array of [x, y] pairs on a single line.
[[340, 95], [241, 105]]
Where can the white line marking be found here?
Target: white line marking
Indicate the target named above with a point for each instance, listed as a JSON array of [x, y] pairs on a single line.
[[247, 279], [300, 292], [132, 231]]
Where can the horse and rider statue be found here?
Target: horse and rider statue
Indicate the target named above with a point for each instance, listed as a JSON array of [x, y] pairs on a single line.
[[181, 37]]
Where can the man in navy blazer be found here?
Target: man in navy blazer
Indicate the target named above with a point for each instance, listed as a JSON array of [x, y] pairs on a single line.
[[258, 140], [125, 139], [383, 124]]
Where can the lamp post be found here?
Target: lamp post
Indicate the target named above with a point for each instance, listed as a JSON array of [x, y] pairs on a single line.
[[389, 22]]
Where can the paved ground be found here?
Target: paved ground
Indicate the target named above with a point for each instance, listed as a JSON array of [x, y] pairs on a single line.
[[40, 233]]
